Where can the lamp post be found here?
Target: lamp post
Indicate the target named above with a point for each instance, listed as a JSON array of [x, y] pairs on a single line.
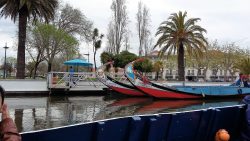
[[4, 72]]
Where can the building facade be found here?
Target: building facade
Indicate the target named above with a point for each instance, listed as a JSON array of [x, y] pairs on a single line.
[[192, 72]]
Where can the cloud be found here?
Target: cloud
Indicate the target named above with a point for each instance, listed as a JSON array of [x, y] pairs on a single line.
[[224, 20]]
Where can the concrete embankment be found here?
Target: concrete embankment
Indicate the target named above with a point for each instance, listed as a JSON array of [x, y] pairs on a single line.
[[39, 88]]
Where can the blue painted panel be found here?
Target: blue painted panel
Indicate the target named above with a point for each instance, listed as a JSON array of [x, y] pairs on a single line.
[[204, 125], [158, 130], [183, 126], [130, 73], [188, 126], [113, 130], [136, 129], [73, 133], [215, 90], [226, 118], [158, 127]]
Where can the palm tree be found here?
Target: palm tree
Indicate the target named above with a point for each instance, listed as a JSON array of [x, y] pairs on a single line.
[[25, 10], [179, 35], [97, 42]]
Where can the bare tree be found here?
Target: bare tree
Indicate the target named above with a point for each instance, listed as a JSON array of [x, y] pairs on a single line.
[[148, 46], [231, 53], [69, 26], [126, 42], [118, 25], [74, 22], [110, 38], [142, 25]]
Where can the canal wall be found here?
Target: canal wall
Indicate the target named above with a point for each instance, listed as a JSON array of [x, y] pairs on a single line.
[[39, 88]]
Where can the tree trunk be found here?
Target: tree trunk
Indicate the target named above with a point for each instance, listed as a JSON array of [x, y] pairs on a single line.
[[205, 74], [35, 70], [181, 67], [94, 59], [157, 76], [31, 72], [21, 45], [49, 66]]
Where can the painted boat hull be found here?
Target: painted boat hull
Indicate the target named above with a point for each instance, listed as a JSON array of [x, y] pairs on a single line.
[[159, 93], [116, 87], [199, 125], [125, 88], [126, 91], [208, 91], [181, 92]]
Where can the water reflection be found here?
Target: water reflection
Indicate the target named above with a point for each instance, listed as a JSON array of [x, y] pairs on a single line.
[[47, 112]]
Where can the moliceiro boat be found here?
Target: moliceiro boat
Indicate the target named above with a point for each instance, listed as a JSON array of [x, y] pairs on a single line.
[[123, 88], [197, 125], [181, 92]]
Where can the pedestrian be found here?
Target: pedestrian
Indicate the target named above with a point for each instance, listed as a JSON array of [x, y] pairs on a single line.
[[71, 75], [245, 81], [8, 130], [239, 81]]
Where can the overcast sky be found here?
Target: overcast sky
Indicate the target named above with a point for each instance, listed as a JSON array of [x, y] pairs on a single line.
[[225, 20]]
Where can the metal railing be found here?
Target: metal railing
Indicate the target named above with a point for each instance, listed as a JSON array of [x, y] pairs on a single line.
[[70, 80]]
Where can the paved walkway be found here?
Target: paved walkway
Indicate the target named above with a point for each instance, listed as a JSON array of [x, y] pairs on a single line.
[[40, 86], [24, 85]]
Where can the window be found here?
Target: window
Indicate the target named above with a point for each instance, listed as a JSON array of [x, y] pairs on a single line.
[[167, 72], [199, 72], [214, 72]]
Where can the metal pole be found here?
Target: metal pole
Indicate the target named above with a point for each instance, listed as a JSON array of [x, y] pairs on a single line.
[[4, 72], [88, 61]]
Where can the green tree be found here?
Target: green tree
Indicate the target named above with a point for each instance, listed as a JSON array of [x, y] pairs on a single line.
[[36, 46], [122, 59], [243, 66], [30, 68], [177, 35], [145, 66], [56, 40], [106, 56], [24, 10], [157, 67]]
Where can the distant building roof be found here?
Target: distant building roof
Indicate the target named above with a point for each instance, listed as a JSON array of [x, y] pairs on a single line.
[[154, 53]]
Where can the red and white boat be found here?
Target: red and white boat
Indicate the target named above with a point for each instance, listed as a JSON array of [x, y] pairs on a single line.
[[153, 89], [123, 88]]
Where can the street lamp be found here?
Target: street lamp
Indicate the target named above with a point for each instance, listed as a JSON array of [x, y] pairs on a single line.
[[4, 72]]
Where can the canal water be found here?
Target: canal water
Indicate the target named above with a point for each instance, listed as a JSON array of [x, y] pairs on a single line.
[[48, 112]]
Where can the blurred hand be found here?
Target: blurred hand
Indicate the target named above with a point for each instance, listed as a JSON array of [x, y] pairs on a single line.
[[5, 112]]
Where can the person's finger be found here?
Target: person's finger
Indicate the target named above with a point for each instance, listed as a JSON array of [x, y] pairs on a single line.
[[5, 112]]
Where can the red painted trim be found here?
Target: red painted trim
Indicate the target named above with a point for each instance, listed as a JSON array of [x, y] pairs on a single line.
[[127, 91], [166, 94]]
